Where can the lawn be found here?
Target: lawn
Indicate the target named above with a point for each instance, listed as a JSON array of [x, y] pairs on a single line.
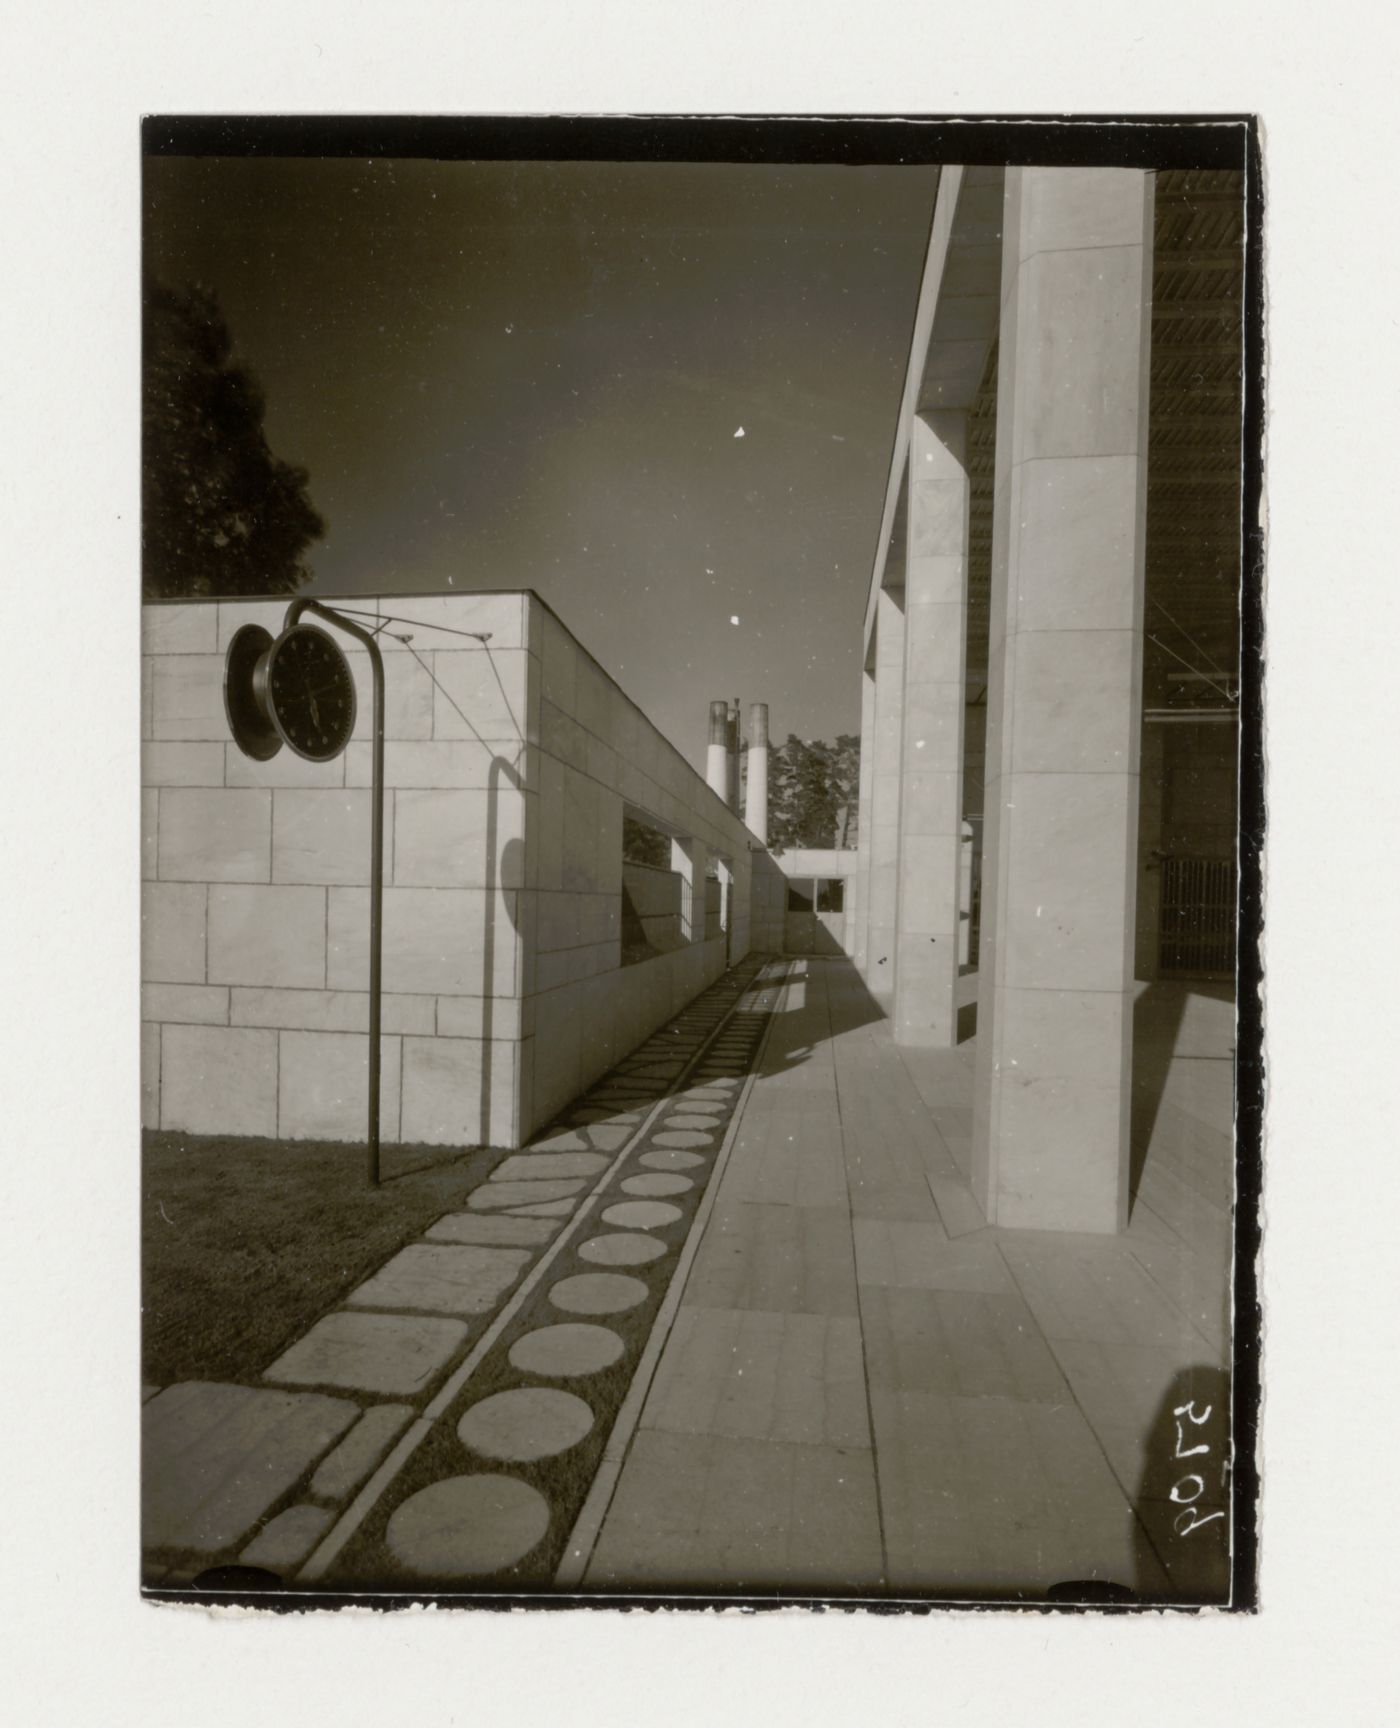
[[244, 1243]]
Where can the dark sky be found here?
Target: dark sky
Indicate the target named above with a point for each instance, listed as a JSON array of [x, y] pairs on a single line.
[[508, 375]]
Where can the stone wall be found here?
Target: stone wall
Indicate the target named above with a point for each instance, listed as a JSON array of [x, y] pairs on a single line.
[[598, 756], [507, 769]]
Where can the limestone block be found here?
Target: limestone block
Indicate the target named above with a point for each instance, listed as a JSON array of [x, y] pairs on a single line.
[[182, 764], [559, 921], [562, 736], [932, 803], [436, 762], [172, 932], [446, 1083], [323, 1079], [150, 826], [148, 694], [455, 839], [448, 941], [550, 815], [1070, 858], [321, 836], [1076, 543], [1076, 708], [218, 1080], [1067, 1034], [215, 836], [478, 1017], [580, 862], [329, 1010], [556, 1041], [188, 697], [268, 936], [1061, 1145], [192, 1004], [188, 627], [1075, 208], [560, 661], [480, 694], [591, 698], [408, 694], [1079, 344], [150, 1076], [602, 761], [286, 768]]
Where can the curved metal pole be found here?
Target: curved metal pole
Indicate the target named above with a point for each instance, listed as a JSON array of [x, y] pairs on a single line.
[[376, 857]]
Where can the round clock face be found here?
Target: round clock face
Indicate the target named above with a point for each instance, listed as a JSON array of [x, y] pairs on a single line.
[[311, 692]]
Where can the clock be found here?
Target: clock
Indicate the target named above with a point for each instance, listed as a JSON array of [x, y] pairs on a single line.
[[297, 690]]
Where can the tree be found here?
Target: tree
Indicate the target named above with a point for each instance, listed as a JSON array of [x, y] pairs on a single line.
[[813, 792], [220, 513]]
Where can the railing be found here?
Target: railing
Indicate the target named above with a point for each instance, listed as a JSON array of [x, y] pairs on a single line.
[[1196, 928]]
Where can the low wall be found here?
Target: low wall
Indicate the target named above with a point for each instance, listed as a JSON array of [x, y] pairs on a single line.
[[597, 754], [507, 769]]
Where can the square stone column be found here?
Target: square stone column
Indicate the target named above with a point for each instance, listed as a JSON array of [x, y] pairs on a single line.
[[688, 858], [1054, 1031], [884, 794], [931, 793], [861, 945]]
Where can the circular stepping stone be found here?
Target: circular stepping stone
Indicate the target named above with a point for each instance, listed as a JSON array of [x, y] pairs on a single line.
[[563, 1352], [467, 1526], [654, 1187], [597, 1293], [704, 1095], [691, 1119], [621, 1249], [641, 1214], [684, 1139], [525, 1423], [671, 1160]]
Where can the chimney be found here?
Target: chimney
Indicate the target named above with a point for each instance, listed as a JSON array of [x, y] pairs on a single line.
[[717, 755], [733, 798], [756, 795]]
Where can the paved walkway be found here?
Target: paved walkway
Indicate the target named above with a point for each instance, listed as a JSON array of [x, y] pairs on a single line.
[[867, 1389], [735, 1324]]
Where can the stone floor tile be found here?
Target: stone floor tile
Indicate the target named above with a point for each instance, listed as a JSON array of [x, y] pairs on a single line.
[[959, 1343], [783, 1259], [919, 1256], [1101, 1294], [340, 1472], [215, 1458], [699, 1510], [796, 1378], [384, 1353], [286, 1540], [443, 1278]]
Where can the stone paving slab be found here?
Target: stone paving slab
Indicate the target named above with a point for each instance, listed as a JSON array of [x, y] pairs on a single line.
[[215, 1458], [443, 1278], [288, 1538], [343, 1470], [497, 1196], [491, 1230], [386, 1353], [542, 1166]]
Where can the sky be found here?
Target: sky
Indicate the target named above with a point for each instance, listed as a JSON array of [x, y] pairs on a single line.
[[537, 374]]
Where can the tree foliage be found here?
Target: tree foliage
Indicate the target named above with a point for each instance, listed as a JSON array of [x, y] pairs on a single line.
[[813, 792], [220, 513]]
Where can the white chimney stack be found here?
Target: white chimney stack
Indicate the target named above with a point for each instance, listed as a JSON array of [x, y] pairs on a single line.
[[756, 796], [717, 755]]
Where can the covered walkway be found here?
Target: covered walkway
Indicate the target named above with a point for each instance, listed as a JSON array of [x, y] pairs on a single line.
[[867, 1389]]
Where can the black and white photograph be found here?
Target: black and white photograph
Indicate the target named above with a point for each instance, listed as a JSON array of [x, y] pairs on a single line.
[[701, 806], [699, 847]]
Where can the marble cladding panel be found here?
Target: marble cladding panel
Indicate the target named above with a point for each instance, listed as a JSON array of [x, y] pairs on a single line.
[[323, 1080]]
